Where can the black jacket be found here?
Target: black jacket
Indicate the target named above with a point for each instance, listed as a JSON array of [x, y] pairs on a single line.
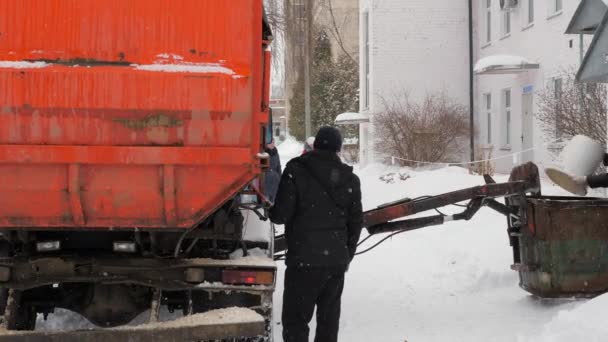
[[599, 181], [272, 175], [319, 201]]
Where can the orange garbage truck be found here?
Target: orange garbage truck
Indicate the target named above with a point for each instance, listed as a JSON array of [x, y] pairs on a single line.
[[131, 133]]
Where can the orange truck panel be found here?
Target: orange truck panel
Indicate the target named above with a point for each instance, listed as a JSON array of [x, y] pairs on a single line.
[[128, 114]]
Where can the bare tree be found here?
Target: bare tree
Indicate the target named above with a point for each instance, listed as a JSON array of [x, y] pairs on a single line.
[[567, 108], [275, 16], [336, 30], [433, 130]]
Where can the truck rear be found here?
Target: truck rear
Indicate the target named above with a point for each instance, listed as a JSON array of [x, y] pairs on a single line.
[[129, 131]]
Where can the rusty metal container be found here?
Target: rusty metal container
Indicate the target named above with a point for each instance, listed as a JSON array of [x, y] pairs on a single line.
[[135, 114], [564, 247]]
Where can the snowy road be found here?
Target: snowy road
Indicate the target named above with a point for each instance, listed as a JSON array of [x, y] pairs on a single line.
[[446, 283]]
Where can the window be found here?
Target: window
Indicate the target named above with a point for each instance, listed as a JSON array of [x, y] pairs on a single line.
[[506, 23], [300, 11], [488, 107], [557, 93], [555, 7], [488, 5], [367, 58], [530, 11], [507, 116]]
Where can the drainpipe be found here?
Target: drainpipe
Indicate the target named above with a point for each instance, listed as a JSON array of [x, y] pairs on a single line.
[[471, 82], [581, 47]]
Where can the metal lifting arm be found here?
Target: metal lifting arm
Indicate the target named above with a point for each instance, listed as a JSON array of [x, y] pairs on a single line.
[[524, 179]]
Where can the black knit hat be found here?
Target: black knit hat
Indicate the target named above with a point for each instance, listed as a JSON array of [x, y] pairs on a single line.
[[328, 139]]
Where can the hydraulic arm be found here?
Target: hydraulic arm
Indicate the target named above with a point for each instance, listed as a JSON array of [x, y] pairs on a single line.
[[524, 179]]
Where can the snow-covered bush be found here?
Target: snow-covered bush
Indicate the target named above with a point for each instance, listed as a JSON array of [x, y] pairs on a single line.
[[432, 130]]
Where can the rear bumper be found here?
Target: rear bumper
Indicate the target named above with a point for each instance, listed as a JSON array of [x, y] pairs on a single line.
[[249, 324], [164, 274]]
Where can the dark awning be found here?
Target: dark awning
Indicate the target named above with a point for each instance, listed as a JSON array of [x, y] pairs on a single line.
[[595, 65], [588, 16]]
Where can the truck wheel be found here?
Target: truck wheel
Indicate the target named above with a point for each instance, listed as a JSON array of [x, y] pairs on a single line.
[[19, 316], [4, 253]]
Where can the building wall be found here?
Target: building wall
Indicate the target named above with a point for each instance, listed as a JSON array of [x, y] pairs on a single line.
[[542, 42], [422, 46], [416, 46]]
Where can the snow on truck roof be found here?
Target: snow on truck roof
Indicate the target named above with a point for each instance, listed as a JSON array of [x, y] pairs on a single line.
[[22, 65], [162, 66], [202, 68]]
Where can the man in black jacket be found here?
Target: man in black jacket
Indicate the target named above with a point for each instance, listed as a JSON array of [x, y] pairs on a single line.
[[319, 201]]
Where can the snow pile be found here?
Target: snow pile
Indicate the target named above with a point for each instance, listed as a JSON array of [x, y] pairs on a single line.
[[214, 317], [22, 65], [584, 323], [257, 252], [499, 60], [201, 68], [289, 149]]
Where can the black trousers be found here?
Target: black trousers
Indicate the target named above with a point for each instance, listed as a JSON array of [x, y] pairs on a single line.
[[305, 288]]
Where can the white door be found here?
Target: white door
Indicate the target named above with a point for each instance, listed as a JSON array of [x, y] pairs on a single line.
[[527, 128]]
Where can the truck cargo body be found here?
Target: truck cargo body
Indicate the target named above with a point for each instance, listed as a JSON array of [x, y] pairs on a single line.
[[128, 131]]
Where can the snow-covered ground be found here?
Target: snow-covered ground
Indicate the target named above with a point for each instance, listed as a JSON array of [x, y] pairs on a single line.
[[446, 283]]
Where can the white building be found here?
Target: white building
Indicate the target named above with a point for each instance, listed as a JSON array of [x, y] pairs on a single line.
[[506, 101], [423, 45], [418, 46]]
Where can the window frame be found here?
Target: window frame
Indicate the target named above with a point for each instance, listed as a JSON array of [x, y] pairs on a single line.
[[558, 6], [367, 56], [507, 102], [488, 21], [555, 8], [506, 23], [487, 98]]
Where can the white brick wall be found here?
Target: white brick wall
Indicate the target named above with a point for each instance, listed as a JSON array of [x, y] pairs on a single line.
[[418, 46]]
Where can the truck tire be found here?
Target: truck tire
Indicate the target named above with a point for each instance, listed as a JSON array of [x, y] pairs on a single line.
[[19, 316], [4, 253]]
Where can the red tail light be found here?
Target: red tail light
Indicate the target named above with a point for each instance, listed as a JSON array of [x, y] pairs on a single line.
[[247, 277]]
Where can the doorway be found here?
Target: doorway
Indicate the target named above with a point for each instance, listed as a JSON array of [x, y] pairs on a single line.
[[527, 128]]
